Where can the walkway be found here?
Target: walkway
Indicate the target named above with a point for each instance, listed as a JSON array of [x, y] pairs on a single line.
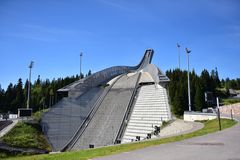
[[224, 145], [8, 128], [180, 127]]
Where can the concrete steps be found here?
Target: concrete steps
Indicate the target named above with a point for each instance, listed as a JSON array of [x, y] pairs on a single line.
[[150, 110]]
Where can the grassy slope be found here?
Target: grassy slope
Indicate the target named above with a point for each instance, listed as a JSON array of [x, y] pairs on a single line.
[[26, 135], [230, 101], [38, 115], [221, 92], [210, 127]]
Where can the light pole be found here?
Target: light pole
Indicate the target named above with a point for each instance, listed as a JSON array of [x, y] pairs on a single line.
[[189, 94], [218, 112], [29, 83], [80, 65], [178, 46]]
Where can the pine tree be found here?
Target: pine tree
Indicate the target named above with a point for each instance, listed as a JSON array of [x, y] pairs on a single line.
[[10, 96], [19, 94], [205, 78], [217, 80], [89, 73], [199, 97], [176, 108], [2, 98], [51, 94], [179, 101]]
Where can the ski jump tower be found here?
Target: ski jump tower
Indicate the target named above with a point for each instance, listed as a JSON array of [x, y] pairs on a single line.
[[119, 104]]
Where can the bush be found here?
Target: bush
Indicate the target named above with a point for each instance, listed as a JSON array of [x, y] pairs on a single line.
[[38, 115], [230, 101]]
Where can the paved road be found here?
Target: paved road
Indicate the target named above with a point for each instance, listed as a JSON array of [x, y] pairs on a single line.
[[224, 145]]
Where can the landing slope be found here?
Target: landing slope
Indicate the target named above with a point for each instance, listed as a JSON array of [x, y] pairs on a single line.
[[104, 126]]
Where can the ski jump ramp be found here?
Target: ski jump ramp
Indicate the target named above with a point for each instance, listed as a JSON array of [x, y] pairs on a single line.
[[116, 105]]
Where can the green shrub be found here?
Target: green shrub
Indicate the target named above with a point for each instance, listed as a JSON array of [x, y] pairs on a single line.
[[38, 115], [27, 136]]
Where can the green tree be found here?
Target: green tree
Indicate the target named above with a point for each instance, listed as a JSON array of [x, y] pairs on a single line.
[[2, 99], [206, 80], [41, 92], [42, 102], [179, 101], [89, 73], [51, 94], [19, 94], [199, 100], [82, 75], [9, 98]]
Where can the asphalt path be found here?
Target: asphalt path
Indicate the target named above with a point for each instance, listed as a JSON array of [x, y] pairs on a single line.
[[8, 128], [223, 145]]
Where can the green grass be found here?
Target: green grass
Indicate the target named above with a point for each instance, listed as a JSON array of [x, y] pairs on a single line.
[[37, 115], [230, 101], [210, 127], [26, 135]]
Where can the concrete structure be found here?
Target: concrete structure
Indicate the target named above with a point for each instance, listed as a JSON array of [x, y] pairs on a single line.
[[95, 110], [233, 109], [104, 126], [150, 110], [198, 116]]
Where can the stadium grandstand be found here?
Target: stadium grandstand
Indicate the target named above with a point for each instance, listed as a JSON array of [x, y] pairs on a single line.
[[119, 104]]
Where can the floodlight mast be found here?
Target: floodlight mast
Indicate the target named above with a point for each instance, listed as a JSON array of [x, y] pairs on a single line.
[[29, 83], [189, 91], [178, 46], [80, 76]]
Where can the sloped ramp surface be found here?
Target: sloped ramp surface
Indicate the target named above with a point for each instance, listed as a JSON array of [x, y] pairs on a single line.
[[104, 126], [63, 119]]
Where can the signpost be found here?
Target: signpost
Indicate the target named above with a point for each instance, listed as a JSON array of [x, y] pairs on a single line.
[[218, 112]]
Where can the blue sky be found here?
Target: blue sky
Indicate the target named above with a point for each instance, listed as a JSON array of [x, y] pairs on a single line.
[[52, 33]]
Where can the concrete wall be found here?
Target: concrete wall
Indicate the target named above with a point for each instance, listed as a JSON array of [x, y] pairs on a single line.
[[198, 116], [235, 108]]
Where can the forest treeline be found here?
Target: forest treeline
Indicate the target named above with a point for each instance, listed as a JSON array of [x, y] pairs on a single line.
[[44, 92], [199, 84]]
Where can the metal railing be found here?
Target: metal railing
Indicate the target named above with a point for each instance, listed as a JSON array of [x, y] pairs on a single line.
[[108, 73], [127, 113], [69, 145]]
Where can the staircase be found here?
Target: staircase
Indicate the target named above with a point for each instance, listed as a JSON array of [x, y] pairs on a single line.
[[150, 110]]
